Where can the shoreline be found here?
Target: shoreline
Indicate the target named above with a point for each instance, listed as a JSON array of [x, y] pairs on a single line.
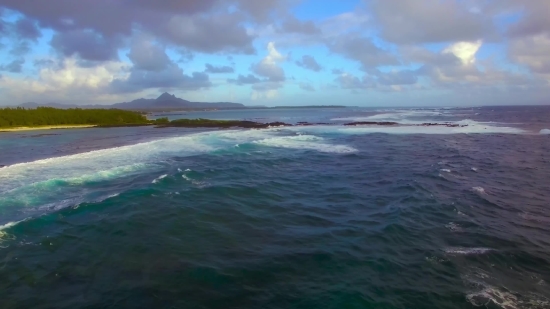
[[21, 129]]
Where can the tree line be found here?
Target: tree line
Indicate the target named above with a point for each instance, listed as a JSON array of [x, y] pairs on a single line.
[[44, 116]]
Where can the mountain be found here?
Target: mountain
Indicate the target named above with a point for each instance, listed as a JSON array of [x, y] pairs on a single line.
[[170, 101], [165, 101]]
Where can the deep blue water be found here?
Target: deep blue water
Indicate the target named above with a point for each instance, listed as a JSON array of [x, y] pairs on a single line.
[[323, 216]]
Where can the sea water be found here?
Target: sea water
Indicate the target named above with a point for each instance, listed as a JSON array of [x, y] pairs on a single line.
[[322, 216]]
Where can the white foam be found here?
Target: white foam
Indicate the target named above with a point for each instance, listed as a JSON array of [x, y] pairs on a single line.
[[156, 180], [445, 170], [502, 299], [9, 224], [309, 142], [545, 131], [5, 236], [479, 190], [474, 169], [467, 251], [470, 128], [32, 188], [454, 227], [397, 116], [505, 299], [80, 166]]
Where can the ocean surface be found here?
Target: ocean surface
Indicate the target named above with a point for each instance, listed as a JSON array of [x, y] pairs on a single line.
[[322, 216]]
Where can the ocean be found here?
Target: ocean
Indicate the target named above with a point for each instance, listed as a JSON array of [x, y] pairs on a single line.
[[321, 216]]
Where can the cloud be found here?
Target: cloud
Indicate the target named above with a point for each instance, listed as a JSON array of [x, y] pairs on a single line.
[[403, 77], [261, 10], [306, 87], [344, 24], [265, 90], [532, 52], [40, 63], [86, 44], [218, 69], [429, 21], [309, 62], [348, 81], [16, 66], [218, 33], [268, 66], [534, 20], [27, 29], [378, 80], [172, 77], [294, 25], [465, 51], [466, 71], [196, 25], [364, 51], [244, 80], [148, 56], [20, 48], [64, 82]]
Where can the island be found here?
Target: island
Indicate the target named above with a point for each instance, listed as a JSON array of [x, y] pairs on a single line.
[[19, 118], [49, 117]]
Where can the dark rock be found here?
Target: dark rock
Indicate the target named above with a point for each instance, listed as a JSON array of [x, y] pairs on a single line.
[[378, 123], [207, 123]]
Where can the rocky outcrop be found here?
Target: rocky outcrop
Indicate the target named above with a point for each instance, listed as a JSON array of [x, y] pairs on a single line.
[[378, 123]]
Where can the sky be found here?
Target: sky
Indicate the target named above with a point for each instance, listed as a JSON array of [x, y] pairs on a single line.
[[277, 52]]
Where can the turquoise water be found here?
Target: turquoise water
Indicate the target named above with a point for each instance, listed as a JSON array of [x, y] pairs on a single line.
[[298, 217]]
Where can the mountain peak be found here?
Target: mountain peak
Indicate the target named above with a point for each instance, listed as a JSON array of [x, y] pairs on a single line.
[[166, 96]]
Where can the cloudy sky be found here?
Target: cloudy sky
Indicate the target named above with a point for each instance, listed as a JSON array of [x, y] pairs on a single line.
[[277, 52]]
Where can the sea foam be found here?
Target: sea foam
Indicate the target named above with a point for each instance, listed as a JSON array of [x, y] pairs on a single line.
[[156, 180], [467, 251], [479, 190], [308, 142]]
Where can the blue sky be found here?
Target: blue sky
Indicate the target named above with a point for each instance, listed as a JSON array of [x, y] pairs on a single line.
[[277, 52]]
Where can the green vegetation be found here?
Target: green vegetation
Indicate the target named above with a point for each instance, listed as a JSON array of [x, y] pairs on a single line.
[[48, 116], [163, 120]]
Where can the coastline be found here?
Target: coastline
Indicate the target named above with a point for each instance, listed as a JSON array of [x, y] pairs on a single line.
[[75, 126]]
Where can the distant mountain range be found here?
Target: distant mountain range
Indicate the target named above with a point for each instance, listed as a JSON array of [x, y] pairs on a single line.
[[165, 101]]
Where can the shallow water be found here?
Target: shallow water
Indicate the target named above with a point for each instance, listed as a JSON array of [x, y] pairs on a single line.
[[298, 217]]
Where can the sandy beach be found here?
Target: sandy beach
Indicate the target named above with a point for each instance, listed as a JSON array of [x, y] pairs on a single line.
[[17, 129]]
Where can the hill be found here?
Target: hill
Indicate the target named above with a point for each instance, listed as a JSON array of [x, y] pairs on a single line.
[[164, 102], [170, 101]]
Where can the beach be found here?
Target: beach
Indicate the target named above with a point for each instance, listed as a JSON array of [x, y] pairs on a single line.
[[74, 126]]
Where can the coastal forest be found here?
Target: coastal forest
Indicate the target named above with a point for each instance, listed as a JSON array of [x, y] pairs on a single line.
[[46, 116]]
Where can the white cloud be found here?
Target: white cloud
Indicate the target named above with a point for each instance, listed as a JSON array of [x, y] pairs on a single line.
[[69, 83], [465, 51], [268, 66]]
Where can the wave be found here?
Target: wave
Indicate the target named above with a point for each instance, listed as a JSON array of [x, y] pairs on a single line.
[[467, 251], [479, 190], [545, 131], [9, 225], [32, 188], [502, 298], [395, 116], [308, 142], [464, 127], [156, 180]]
